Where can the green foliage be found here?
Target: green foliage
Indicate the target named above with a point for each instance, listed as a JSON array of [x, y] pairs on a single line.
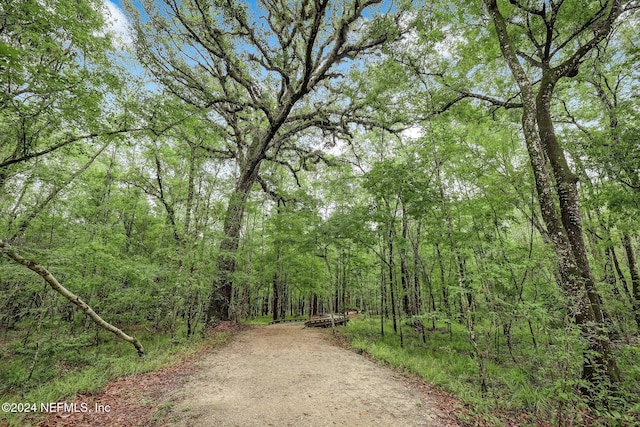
[[442, 218], [541, 384], [446, 362], [78, 365], [56, 79]]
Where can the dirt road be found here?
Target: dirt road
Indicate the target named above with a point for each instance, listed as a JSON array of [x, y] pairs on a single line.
[[286, 375]]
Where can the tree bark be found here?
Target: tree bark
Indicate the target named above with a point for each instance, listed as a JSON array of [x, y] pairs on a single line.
[[591, 310], [635, 274], [314, 305], [564, 227], [190, 191], [405, 278], [220, 298], [415, 243], [275, 301], [390, 236], [74, 299]]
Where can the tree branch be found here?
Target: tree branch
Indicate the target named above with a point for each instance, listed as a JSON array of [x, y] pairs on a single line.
[[7, 250], [70, 140], [40, 207]]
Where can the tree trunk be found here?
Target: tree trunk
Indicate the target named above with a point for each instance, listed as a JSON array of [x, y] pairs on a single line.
[[405, 278], [564, 227], [220, 298], [597, 334], [616, 265], [383, 293], [275, 301], [190, 191], [416, 275], [314, 305], [390, 237], [171, 214], [445, 291], [284, 297], [635, 274]]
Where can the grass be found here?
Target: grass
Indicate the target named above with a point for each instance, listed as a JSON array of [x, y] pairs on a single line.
[[451, 365], [261, 320], [67, 366], [537, 386]]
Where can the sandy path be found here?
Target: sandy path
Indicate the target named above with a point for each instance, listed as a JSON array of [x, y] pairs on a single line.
[[286, 375]]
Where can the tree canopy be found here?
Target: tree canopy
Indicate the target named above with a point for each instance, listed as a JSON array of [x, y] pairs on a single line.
[[465, 176]]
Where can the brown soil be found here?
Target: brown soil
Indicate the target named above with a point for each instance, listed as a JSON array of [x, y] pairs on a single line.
[[278, 375], [286, 375], [137, 400]]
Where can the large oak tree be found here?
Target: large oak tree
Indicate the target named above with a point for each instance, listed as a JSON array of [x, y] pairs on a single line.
[[266, 74]]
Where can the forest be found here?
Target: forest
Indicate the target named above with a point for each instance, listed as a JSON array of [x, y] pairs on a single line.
[[465, 175]]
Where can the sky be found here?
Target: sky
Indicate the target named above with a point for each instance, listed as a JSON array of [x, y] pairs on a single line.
[[118, 25], [116, 22]]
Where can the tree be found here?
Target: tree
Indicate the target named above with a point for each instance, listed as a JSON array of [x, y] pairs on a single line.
[[56, 71], [74, 299], [543, 44], [606, 145], [269, 78]]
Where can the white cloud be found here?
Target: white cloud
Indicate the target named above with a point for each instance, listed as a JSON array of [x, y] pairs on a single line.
[[446, 47], [414, 132], [117, 24]]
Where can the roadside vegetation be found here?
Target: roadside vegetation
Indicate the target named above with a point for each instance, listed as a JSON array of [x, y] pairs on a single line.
[[84, 364], [525, 385]]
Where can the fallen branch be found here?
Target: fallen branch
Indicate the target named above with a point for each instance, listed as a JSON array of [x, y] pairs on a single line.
[[74, 299]]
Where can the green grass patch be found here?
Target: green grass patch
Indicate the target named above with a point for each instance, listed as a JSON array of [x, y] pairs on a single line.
[[67, 366], [450, 363], [261, 320], [534, 384]]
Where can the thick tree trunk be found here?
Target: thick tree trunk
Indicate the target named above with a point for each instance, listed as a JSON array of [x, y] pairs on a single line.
[[220, 298], [565, 227], [635, 274], [597, 334], [580, 290], [314, 305]]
